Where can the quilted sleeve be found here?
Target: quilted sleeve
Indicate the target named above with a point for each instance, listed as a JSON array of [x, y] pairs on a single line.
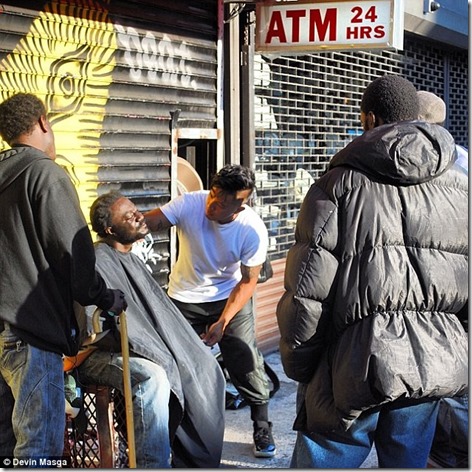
[[303, 312]]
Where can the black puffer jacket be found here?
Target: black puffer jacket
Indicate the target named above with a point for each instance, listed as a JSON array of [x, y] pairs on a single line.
[[377, 273]]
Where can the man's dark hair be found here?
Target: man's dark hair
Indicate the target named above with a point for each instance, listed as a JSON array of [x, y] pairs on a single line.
[[19, 114], [392, 98], [232, 178], [100, 214]]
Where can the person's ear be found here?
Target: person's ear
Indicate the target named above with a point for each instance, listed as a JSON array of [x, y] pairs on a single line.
[[43, 123], [109, 230], [370, 120]]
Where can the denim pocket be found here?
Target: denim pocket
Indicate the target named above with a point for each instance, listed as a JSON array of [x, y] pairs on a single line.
[[15, 352]]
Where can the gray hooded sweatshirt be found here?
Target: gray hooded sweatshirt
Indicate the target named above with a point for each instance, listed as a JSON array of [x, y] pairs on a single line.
[[47, 259]]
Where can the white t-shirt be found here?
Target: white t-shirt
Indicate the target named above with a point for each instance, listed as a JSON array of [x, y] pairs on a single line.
[[210, 254]]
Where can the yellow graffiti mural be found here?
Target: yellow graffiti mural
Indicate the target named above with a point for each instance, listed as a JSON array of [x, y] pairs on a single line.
[[67, 58]]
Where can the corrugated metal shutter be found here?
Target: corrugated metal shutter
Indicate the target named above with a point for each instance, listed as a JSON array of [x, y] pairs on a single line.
[[267, 296], [111, 74]]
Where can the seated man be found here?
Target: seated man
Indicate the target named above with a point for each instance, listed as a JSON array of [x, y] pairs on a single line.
[[178, 387]]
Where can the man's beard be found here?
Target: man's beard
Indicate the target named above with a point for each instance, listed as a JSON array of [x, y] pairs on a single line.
[[126, 237]]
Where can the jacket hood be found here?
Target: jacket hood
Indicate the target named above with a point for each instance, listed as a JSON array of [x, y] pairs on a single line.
[[405, 153], [13, 162]]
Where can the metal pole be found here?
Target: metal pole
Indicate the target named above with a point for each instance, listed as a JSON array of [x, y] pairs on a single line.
[[248, 136], [127, 391]]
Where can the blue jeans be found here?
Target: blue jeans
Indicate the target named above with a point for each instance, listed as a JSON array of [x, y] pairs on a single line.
[[402, 436], [151, 392], [451, 440], [32, 404]]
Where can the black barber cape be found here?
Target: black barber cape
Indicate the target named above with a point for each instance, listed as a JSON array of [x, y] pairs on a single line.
[[158, 331]]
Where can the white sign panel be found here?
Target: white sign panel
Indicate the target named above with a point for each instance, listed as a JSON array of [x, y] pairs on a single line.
[[302, 27]]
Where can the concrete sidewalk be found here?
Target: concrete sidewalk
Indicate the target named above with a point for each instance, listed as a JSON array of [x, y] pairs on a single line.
[[237, 449]]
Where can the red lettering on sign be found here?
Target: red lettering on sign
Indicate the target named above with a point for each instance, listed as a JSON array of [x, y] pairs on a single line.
[[365, 32], [296, 15], [276, 28], [379, 32], [357, 15], [371, 15], [321, 27], [288, 26]]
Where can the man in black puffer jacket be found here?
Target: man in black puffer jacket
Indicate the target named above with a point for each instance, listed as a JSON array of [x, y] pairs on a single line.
[[373, 283]]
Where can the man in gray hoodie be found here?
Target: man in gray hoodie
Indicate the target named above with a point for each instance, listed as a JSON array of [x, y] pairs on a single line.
[[47, 265]]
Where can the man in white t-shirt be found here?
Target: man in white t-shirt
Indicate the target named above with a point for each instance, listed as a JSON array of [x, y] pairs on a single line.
[[222, 246]]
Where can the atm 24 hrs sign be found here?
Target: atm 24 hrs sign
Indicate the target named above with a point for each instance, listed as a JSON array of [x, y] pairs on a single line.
[[286, 27]]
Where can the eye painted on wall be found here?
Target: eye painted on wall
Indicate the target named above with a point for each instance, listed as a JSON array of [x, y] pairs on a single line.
[[67, 83]]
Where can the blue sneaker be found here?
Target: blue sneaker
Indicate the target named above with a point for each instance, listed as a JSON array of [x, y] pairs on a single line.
[[264, 445]]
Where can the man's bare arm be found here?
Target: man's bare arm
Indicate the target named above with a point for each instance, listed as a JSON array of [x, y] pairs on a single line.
[[250, 272], [156, 220], [240, 295]]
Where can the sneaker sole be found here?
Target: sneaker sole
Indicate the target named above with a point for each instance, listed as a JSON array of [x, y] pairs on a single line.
[[264, 454]]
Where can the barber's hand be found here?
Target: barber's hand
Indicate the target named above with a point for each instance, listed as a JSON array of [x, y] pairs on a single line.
[[119, 302], [214, 334]]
